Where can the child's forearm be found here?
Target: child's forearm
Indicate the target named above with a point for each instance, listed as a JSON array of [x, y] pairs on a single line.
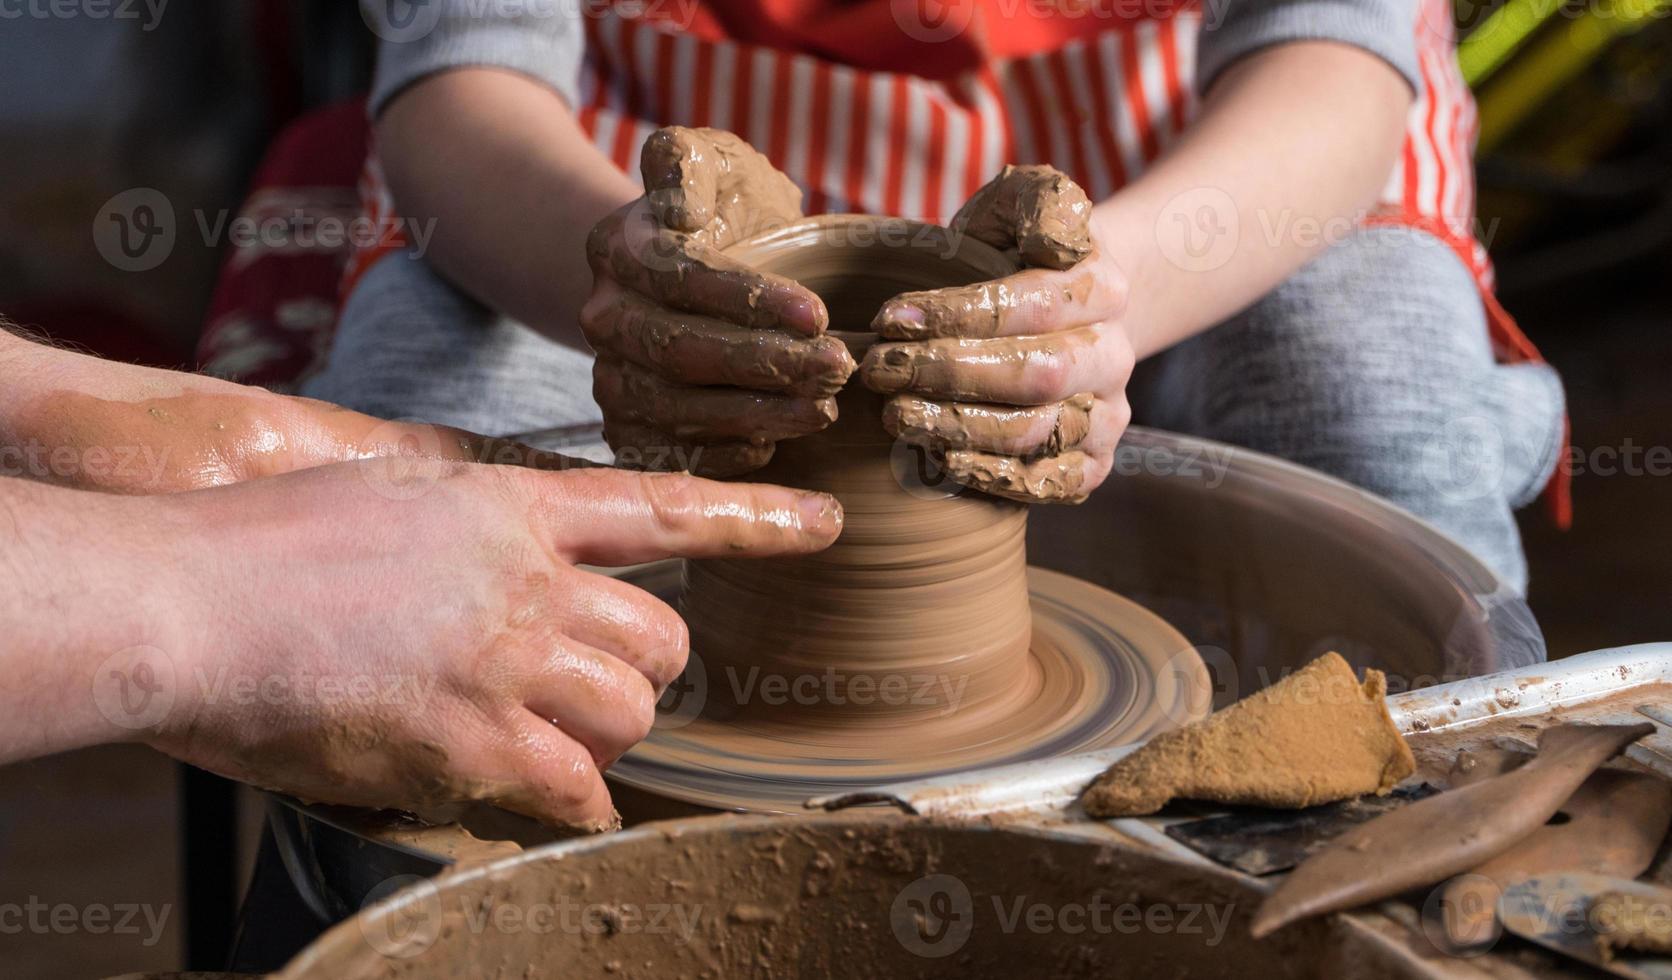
[[512, 185], [1292, 146]]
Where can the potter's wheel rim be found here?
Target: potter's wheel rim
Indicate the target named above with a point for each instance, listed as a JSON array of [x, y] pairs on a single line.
[[393, 915], [1123, 703]]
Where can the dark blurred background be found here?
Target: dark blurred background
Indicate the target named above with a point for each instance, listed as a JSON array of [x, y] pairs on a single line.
[[1575, 175]]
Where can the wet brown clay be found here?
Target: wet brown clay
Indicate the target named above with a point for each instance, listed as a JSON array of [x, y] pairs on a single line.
[[922, 583]]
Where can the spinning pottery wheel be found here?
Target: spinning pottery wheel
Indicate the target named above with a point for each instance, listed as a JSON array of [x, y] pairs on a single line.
[[1262, 565], [1114, 673], [920, 643]]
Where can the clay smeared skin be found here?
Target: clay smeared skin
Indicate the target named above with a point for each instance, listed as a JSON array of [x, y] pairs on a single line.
[[191, 440], [706, 414], [1005, 429], [1049, 479], [684, 272], [698, 350], [715, 460], [667, 303], [1008, 370], [1017, 382], [709, 183], [1002, 308], [1036, 210]]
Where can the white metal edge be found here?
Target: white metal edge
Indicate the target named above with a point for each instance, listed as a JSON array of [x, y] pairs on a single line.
[[1051, 785]]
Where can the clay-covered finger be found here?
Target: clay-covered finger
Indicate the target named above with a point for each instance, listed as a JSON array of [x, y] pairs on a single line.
[[552, 778], [1033, 301], [1009, 370], [626, 622], [1036, 210], [1066, 478], [709, 181], [628, 392], [1004, 429], [686, 348], [597, 699], [618, 517], [643, 447], [634, 250]]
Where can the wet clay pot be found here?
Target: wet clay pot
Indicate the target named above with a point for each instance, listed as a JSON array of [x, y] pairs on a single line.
[[926, 580]]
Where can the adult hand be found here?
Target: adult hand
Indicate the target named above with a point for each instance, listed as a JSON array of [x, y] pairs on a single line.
[[92, 424], [1019, 383], [412, 633], [705, 363]]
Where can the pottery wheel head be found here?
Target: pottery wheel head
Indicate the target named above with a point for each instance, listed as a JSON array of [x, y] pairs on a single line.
[[1104, 672]]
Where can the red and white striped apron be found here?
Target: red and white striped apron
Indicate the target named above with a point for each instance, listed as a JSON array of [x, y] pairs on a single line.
[[1101, 106]]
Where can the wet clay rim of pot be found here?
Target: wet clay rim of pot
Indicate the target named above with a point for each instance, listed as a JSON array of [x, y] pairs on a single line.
[[859, 234]]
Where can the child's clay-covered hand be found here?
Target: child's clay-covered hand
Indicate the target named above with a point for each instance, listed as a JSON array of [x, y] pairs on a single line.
[[1019, 383], [704, 363]]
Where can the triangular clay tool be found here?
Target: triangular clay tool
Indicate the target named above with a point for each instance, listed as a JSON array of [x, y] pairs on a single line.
[[1316, 736]]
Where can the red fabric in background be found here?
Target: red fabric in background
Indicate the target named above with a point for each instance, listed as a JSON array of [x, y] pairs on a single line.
[[274, 307], [933, 39], [96, 329]]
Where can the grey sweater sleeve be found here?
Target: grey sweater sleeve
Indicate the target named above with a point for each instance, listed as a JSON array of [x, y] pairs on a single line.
[[540, 38], [1234, 28]]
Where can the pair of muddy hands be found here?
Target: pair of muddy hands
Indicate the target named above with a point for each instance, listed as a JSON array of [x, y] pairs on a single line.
[[1016, 385]]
